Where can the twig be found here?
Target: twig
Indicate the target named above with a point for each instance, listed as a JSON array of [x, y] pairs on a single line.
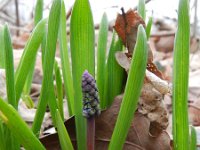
[[69, 13], [6, 18], [4, 3], [195, 18], [163, 34], [17, 15], [110, 27], [22, 29]]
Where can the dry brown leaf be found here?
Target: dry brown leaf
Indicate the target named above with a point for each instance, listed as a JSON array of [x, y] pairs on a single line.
[[194, 114], [126, 27], [138, 137], [161, 85]]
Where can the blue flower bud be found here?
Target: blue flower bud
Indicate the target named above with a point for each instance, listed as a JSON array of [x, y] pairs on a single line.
[[91, 105]]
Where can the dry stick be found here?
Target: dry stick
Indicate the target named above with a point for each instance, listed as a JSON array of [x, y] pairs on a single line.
[[17, 15], [163, 34], [6, 18], [195, 18], [69, 13], [4, 3]]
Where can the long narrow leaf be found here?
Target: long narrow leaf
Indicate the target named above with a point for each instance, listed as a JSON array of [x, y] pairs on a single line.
[[2, 136], [148, 28], [180, 78], [28, 57], [38, 11], [59, 89], [2, 52], [37, 18], [18, 127], [67, 75], [64, 138], [10, 87], [53, 24], [101, 56], [132, 91], [52, 103], [115, 75], [193, 139], [82, 51], [104, 102], [141, 9]]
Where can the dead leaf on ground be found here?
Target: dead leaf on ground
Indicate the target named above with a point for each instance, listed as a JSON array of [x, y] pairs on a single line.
[[194, 113], [138, 137]]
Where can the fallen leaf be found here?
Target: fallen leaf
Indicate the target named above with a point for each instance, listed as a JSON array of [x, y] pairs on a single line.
[[138, 137], [194, 113], [126, 26]]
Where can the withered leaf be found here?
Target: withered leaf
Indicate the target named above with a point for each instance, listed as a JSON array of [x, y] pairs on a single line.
[[138, 137], [126, 26]]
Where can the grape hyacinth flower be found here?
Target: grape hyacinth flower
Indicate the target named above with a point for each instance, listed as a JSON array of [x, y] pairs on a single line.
[[91, 105]]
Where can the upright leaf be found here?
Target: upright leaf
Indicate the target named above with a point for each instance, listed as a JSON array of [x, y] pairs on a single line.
[[53, 24], [148, 28], [63, 135], [37, 18], [82, 50], [180, 78], [9, 65], [115, 75], [66, 68], [59, 89], [141, 9], [101, 55], [193, 139], [38, 11], [2, 52], [28, 57], [132, 91]]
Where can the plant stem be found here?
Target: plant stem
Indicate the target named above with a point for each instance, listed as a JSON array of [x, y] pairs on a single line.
[[90, 133]]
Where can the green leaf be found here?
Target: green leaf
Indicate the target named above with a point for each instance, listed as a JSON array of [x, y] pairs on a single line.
[[52, 102], [180, 78], [38, 11], [101, 56], [37, 18], [53, 24], [59, 89], [2, 136], [9, 65], [66, 68], [132, 91], [28, 101], [63, 135], [115, 74], [2, 51], [148, 28], [28, 57], [82, 51], [18, 127], [193, 139], [141, 9]]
